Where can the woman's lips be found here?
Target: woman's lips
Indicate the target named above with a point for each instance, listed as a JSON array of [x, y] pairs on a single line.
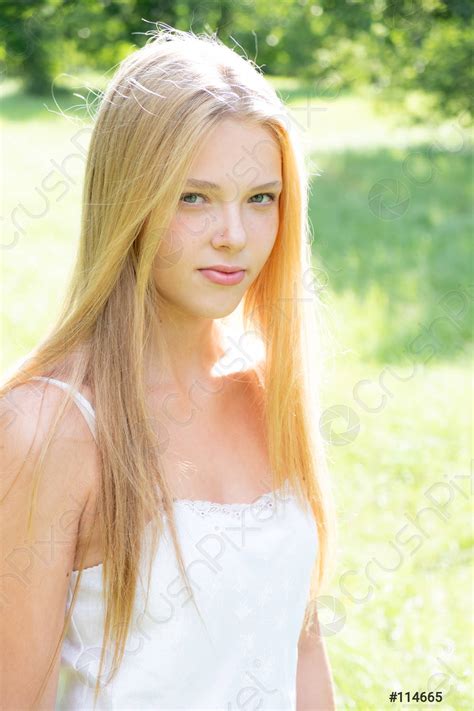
[[225, 278]]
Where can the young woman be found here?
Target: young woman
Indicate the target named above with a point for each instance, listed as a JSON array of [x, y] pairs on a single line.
[[164, 481]]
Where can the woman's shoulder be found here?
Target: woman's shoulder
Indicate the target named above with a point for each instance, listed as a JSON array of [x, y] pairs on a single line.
[[27, 414], [251, 382], [34, 404], [252, 378], [247, 396]]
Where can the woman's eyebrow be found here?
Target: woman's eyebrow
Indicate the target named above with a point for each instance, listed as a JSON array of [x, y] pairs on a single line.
[[207, 185]]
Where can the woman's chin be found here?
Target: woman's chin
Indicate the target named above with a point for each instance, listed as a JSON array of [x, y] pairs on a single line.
[[215, 310]]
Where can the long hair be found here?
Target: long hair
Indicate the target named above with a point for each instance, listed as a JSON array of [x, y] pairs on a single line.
[[157, 110]]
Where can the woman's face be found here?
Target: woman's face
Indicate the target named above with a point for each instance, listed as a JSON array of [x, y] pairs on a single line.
[[232, 224]]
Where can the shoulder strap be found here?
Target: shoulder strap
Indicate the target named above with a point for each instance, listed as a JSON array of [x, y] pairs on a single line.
[[82, 402]]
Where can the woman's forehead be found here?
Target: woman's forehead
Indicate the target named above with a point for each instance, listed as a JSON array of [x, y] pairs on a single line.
[[235, 150]]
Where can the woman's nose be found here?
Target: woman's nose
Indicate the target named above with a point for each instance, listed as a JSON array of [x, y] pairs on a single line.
[[230, 230]]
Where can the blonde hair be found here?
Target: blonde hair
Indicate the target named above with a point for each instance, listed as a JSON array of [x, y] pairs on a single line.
[[160, 105]]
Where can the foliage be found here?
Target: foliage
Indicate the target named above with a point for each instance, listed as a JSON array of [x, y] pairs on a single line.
[[394, 47]]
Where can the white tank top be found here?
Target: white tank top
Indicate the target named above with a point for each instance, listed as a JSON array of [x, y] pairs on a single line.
[[249, 566]]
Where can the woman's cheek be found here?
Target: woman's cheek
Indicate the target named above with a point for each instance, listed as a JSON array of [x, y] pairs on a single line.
[[195, 225], [267, 229], [174, 247]]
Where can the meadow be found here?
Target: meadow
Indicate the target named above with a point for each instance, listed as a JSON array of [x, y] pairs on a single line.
[[392, 233]]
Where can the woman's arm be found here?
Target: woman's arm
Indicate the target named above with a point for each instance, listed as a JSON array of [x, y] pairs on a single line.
[[35, 573], [314, 684]]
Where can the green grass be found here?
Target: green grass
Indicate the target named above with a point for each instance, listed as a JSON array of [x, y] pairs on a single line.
[[409, 274], [394, 629], [396, 285]]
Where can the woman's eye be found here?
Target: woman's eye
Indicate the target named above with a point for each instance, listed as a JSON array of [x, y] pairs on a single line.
[[270, 195], [191, 195]]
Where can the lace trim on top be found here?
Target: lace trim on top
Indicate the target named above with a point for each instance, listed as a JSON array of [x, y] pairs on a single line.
[[235, 510]]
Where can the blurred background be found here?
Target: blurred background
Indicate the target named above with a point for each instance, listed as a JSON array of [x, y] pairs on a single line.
[[381, 93]]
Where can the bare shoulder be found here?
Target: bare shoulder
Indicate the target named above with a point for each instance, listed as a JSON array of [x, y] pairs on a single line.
[[251, 380], [251, 388], [26, 415]]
